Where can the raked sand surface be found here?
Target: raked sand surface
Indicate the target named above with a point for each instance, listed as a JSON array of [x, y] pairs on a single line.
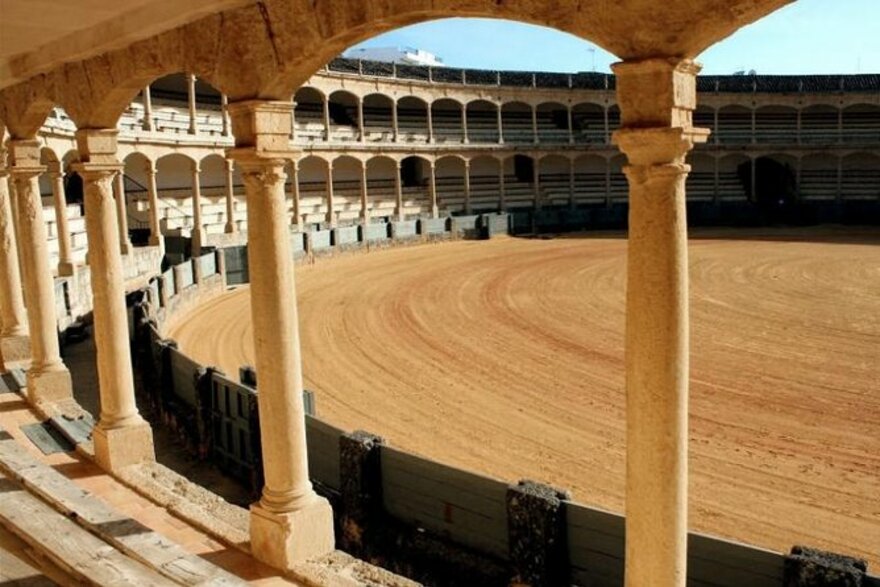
[[506, 357]]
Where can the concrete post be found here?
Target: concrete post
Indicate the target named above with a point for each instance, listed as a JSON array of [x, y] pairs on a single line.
[[395, 129], [148, 109], [536, 528], [809, 567], [231, 227], [224, 115], [467, 186], [464, 125], [48, 380], [398, 195], [156, 239], [122, 437], [326, 118], [500, 125], [65, 255], [535, 138], [296, 220], [365, 210], [432, 189], [290, 523], [502, 196], [198, 230], [430, 122], [191, 99], [122, 214], [657, 98], [14, 341], [330, 217], [362, 135]]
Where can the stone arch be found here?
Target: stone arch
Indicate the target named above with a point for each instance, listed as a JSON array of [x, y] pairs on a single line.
[[343, 109], [516, 122], [51, 161], [446, 117], [449, 173], [170, 104], [819, 123], [734, 124], [861, 123], [213, 171], [860, 176], [381, 194], [701, 179], [482, 121], [588, 122], [412, 118], [485, 182], [313, 178], [378, 124], [552, 118], [734, 177], [308, 112], [554, 179], [776, 124], [590, 174], [819, 176]]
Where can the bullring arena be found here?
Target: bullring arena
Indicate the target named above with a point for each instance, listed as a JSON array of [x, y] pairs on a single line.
[[271, 315]]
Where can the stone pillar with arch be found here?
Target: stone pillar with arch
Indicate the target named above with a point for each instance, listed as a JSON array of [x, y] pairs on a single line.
[[290, 523], [657, 98], [14, 340], [66, 266], [48, 380], [122, 437]]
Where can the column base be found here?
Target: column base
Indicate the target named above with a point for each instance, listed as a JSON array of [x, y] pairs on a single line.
[[230, 228], [49, 386], [15, 348], [66, 269], [282, 540], [125, 248], [116, 448]]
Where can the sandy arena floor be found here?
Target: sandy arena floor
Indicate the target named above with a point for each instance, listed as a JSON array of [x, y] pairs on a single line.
[[506, 357]]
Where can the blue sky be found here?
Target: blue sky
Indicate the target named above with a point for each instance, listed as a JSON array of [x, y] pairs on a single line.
[[809, 36]]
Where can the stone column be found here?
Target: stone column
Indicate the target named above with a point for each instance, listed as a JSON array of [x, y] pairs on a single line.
[[122, 214], [430, 123], [14, 341], [198, 230], [799, 125], [657, 98], [362, 135], [607, 183], [148, 109], [395, 129], [607, 125], [398, 194], [122, 437], [716, 136], [716, 183], [231, 226], [65, 255], [467, 186], [156, 239], [290, 523], [326, 118], [191, 98], [571, 185], [330, 216], [365, 210], [536, 180], [48, 379], [754, 138], [464, 125], [224, 115], [570, 126], [535, 138], [839, 196], [432, 189], [297, 220], [500, 125], [502, 196]]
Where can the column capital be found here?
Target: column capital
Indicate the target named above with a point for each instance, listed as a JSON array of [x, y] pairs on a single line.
[[230, 164], [657, 92], [262, 126], [24, 158], [96, 171], [97, 145], [658, 145]]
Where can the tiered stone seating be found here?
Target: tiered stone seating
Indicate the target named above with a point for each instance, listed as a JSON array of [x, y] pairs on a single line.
[[76, 224]]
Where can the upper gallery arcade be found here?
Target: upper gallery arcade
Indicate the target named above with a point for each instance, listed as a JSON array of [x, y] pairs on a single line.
[[95, 63]]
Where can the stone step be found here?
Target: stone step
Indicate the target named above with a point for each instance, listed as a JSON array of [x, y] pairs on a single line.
[[86, 558], [128, 536]]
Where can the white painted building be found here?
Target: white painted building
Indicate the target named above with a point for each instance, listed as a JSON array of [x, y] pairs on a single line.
[[406, 55]]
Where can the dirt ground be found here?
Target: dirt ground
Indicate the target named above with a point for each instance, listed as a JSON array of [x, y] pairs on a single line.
[[506, 357]]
